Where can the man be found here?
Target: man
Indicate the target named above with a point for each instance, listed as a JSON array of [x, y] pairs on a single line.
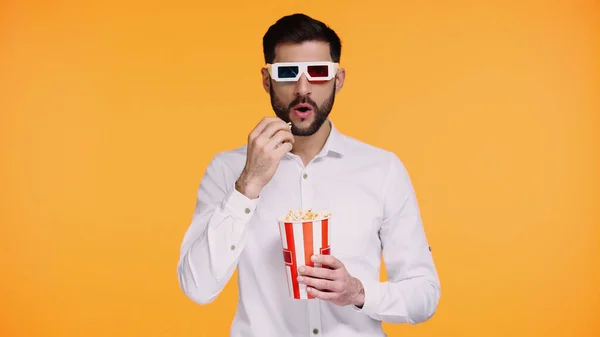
[[309, 165]]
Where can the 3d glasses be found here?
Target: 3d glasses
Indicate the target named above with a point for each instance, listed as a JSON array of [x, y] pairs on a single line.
[[291, 71]]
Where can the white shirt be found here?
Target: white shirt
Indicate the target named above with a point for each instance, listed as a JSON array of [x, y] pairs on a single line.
[[373, 206]]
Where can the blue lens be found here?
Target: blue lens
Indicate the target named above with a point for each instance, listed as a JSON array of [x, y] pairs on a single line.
[[287, 71]]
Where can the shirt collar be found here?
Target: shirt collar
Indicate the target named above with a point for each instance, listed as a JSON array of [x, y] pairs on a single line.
[[334, 143]]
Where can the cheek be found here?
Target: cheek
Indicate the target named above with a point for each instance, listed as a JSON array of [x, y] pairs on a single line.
[[283, 92], [321, 93]]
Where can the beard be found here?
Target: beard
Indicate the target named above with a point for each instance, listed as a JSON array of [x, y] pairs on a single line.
[[320, 112]]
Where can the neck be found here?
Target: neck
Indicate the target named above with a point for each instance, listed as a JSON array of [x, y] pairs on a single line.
[[307, 147]]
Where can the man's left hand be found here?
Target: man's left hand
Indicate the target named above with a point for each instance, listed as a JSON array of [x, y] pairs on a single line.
[[332, 282]]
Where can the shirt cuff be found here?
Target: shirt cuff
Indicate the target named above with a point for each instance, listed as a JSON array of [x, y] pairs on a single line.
[[372, 297], [238, 205]]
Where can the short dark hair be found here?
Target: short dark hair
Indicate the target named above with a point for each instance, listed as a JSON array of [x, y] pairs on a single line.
[[298, 28]]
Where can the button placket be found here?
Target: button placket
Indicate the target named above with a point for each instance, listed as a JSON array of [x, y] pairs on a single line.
[[314, 307], [306, 191], [314, 317]]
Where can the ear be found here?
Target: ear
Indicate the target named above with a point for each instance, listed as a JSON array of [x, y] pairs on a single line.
[[266, 79], [339, 79]]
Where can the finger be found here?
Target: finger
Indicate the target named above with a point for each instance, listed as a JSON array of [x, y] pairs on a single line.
[[272, 128], [321, 284], [317, 272], [328, 260], [323, 295], [279, 138], [261, 126], [283, 149]]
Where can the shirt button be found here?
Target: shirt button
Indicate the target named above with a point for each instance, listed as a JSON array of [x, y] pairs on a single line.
[[315, 331], [247, 210], [306, 176], [232, 247]]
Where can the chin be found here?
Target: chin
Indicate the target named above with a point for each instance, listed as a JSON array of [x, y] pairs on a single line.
[[304, 122], [302, 127]]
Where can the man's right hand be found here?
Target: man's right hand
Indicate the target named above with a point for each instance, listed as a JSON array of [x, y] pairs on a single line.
[[268, 142]]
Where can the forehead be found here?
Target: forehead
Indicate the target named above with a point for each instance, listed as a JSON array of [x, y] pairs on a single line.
[[302, 52]]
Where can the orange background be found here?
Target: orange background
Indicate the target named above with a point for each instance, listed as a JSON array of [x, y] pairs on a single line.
[[111, 111]]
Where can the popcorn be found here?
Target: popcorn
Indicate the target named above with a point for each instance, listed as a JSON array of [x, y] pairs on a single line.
[[308, 215]]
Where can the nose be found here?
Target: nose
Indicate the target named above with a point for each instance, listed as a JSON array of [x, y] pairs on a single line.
[[303, 86]]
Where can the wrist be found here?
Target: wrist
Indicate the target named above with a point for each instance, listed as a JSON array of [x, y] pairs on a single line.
[[247, 187], [359, 297]]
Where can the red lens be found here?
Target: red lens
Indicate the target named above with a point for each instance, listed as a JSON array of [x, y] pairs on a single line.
[[318, 71]]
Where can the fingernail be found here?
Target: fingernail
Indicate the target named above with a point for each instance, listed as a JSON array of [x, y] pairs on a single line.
[[313, 258], [301, 269]]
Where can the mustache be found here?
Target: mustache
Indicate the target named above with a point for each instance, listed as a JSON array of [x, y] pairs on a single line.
[[303, 100]]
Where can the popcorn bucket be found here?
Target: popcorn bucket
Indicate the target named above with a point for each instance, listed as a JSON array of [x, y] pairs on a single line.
[[301, 238]]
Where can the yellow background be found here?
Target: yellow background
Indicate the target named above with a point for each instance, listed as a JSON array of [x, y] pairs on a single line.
[[111, 110]]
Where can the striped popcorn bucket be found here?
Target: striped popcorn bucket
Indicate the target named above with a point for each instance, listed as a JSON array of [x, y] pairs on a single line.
[[300, 240]]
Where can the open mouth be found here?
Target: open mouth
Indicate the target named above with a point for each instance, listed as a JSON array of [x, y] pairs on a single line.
[[303, 107]]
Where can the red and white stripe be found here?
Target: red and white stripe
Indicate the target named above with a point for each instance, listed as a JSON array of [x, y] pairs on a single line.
[[301, 240]]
